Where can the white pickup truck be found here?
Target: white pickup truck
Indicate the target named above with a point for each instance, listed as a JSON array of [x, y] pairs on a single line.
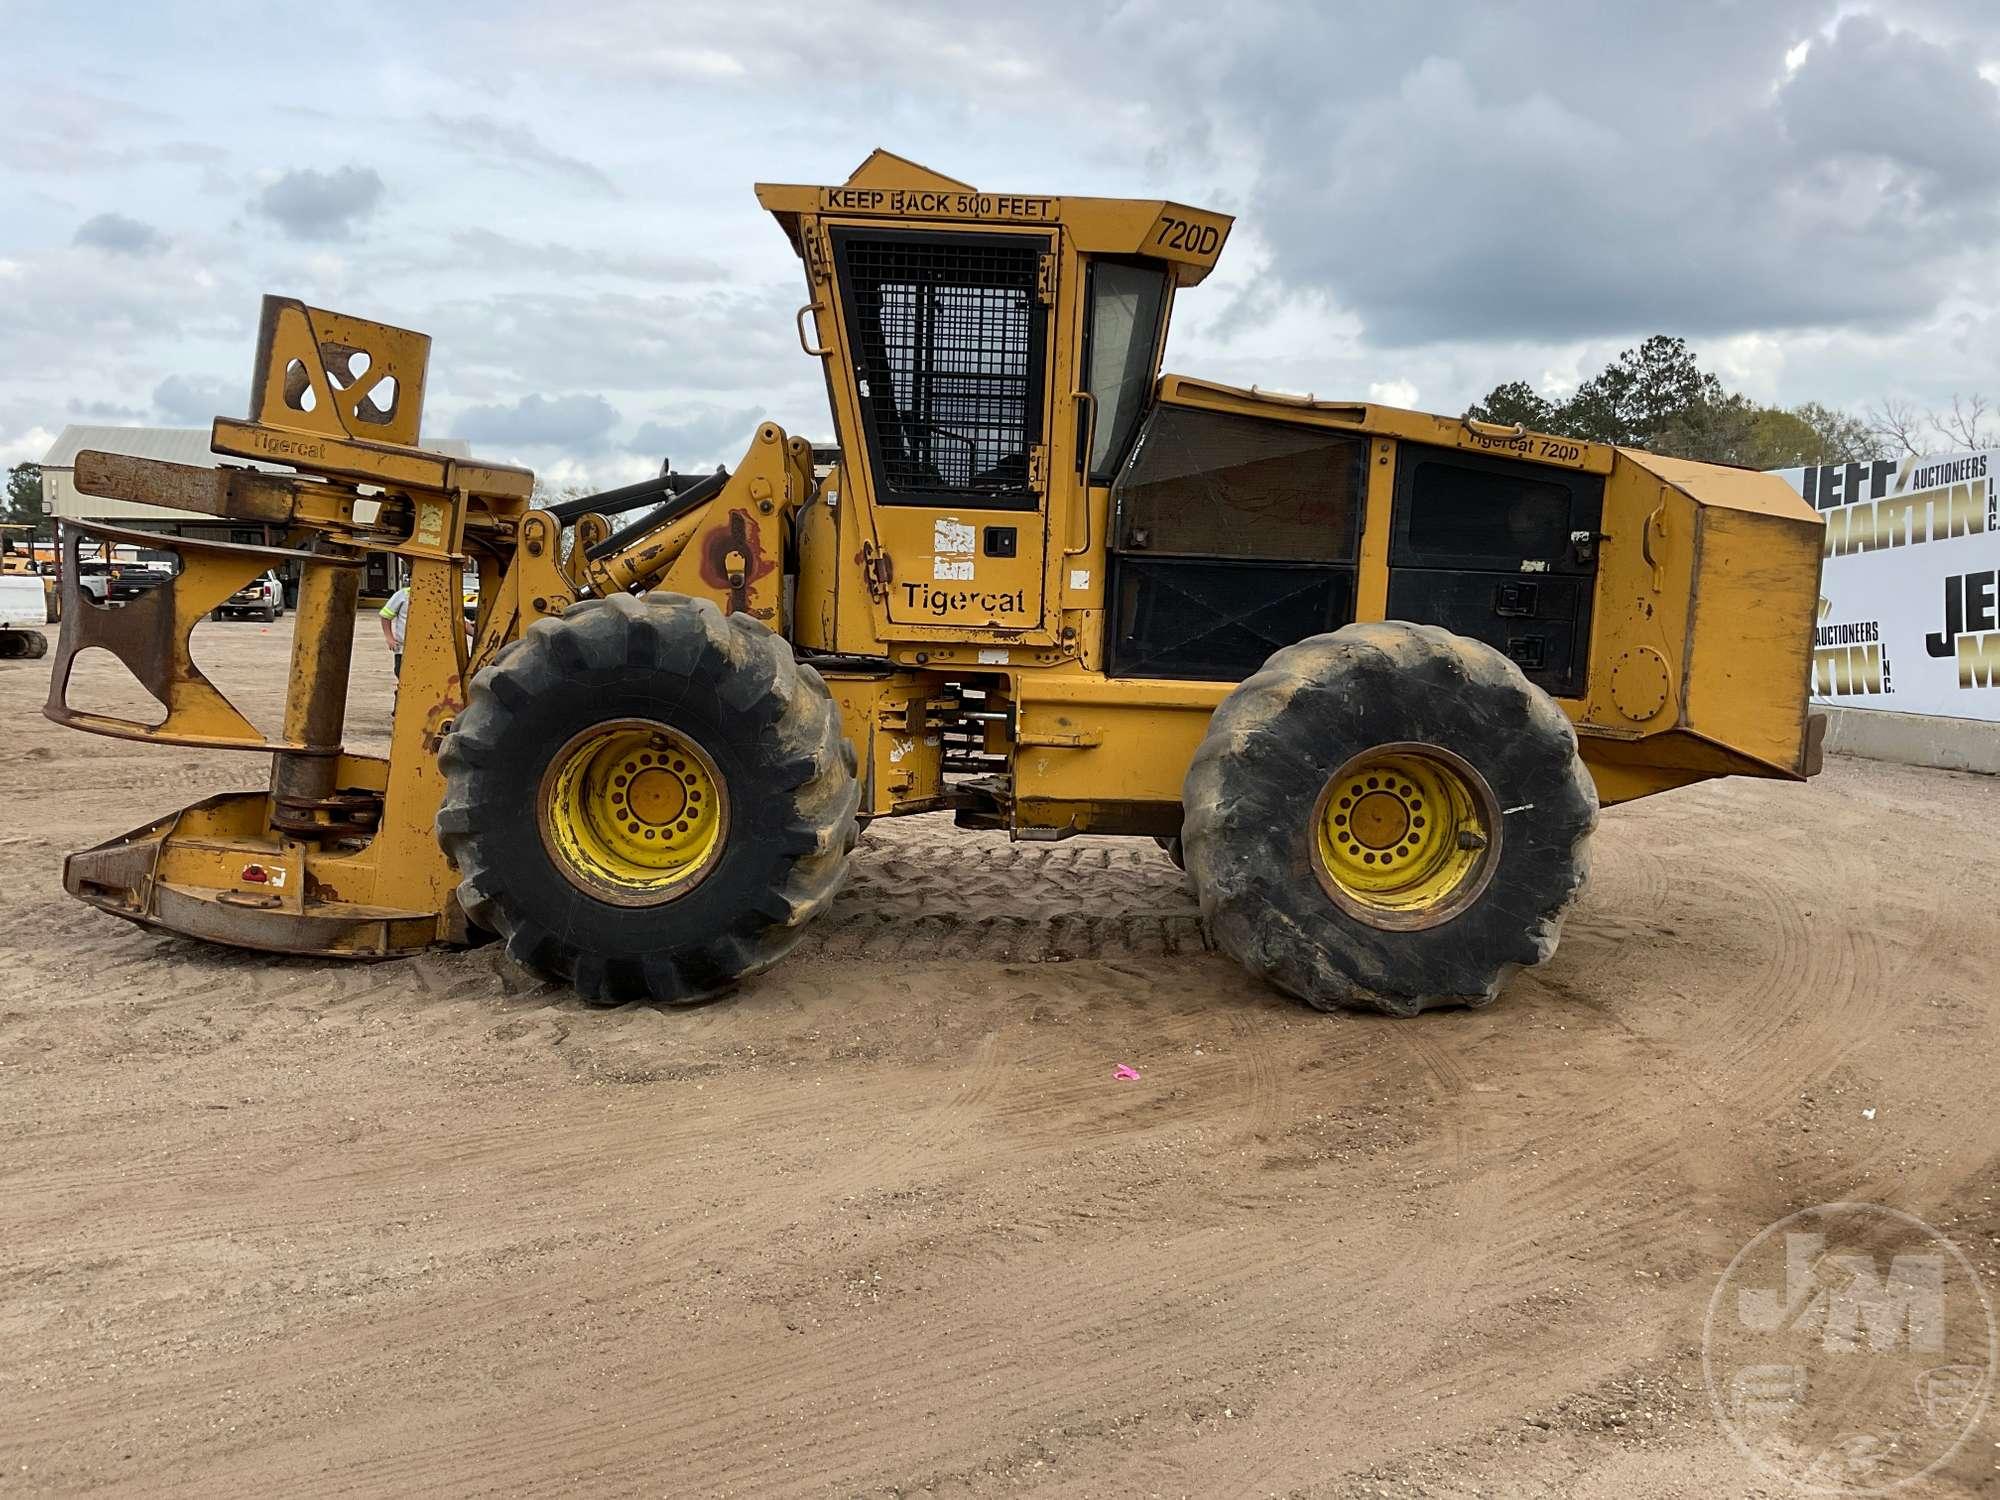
[[262, 598], [24, 609]]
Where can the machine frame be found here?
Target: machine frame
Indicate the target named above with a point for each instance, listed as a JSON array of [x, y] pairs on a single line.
[[971, 670]]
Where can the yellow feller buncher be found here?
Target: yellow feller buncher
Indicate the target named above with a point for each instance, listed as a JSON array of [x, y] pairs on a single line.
[[1369, 673]]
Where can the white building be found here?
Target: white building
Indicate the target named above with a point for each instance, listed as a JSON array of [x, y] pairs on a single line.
[[179, 445]]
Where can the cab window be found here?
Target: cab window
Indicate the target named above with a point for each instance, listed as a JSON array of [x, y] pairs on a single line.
[[949, 348], [1123, 334]]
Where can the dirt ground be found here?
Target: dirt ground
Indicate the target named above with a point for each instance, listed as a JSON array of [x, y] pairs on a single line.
[[885, 1222]]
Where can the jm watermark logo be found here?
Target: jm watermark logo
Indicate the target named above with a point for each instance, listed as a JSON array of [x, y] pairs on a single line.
[[1850, 1349]]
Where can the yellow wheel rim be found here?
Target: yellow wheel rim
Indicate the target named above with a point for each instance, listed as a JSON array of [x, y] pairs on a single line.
[[1405, 835], [633, 812]]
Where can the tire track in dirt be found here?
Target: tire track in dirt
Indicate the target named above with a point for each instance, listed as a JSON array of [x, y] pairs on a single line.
[[1057, 904], [564, 1248], [1119, 1348], [492, 1312], [1605, 1211], [846, 1365], [1790, 1021], [1610, 1204], [1459, 1177], [1443, 1073], [503, 1143]]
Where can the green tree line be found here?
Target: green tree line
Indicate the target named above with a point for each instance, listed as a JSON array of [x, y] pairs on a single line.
[[1659, 398], [21, 502]]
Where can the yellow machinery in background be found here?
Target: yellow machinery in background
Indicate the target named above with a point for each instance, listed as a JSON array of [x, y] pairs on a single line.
[[1370, 673]]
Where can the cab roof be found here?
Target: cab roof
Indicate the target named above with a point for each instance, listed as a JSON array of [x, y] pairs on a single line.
[[891, 187]]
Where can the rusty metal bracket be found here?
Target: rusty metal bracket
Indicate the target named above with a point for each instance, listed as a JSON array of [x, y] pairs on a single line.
[[238, 494], [150, 636], [342, 815], [877, 569], [338, 376]]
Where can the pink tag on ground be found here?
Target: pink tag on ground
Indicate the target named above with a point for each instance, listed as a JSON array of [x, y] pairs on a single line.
[[1125, 1074]]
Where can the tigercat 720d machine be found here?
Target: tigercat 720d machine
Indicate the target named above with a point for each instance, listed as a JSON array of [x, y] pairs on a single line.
[[1369, 673]]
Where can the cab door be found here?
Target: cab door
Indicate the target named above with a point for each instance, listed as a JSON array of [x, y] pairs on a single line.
[[950, 342]]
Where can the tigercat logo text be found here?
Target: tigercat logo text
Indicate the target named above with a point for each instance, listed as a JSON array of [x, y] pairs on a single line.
[[1971, 628], [1927, 502], [941, 602], [280, 446]]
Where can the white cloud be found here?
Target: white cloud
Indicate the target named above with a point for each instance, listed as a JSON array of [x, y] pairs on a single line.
[[25, 447], [567, 209], [696, 62]]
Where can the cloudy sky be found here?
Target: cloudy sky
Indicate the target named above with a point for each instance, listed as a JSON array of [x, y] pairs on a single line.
[[1430, 198]]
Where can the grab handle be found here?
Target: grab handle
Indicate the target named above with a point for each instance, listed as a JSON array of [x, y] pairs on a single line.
[[800, 322], [1083, 490]]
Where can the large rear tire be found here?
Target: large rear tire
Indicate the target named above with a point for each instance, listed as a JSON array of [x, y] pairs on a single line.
[[648, 799], [1390, 817]]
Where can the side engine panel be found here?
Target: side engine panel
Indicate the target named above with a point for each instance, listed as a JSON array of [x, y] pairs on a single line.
[[1231, 537], [1234, 535], [1501, 551]]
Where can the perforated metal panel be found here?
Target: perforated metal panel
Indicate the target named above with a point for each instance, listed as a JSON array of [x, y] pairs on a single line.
[[949, 345], [1217, 621]]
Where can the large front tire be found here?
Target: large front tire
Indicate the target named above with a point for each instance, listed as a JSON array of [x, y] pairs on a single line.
[[648, 799], [1390, 817]]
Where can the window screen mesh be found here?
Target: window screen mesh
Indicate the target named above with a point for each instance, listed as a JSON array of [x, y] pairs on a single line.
[[1207, 484], [946, 332]]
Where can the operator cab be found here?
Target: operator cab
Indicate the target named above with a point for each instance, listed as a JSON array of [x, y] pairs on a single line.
[[988, 359], [1018, 474]]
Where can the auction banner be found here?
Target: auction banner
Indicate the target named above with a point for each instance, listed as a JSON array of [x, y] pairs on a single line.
[[1909, 608]]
